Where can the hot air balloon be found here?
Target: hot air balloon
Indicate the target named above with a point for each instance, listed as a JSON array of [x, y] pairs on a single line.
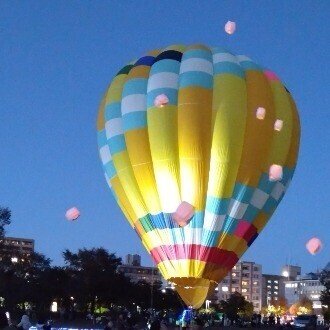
[[205, 148], [314, 245], [72, 214]]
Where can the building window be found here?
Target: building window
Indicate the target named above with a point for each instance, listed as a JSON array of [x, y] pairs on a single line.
[[246, 275], [245, 283], [224, 288], [244, 290], [255, 283], [269, 281], [256, 269]]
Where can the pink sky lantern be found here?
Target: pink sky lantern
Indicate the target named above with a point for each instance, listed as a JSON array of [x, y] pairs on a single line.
[[278, 125], [275, 172], [161, 100], [72, 214], [261, 113], [314, 245], [230, 27], [183, 214]]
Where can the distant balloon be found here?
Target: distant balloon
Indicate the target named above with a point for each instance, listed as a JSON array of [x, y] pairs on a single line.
[[314, 245], [230, 27], [72, 214]]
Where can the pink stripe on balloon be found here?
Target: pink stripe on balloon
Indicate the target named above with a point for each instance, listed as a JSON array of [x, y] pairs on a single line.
[[245, 230], [271, 75], [196, 252]]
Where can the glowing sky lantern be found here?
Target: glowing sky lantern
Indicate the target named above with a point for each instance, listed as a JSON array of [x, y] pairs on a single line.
[[183, 214], [230, 27], [278, 125], [261, 113], [275, 172], [314, 245], [72, 214], [161, 100], [199, 178]]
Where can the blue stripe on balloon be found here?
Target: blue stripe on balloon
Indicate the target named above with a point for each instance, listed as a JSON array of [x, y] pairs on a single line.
[[229, 67], [264, 183], [249, 65], [101, 138], [250, 213], [230, 225], [134, 120], [218, 206], [112, 110], [145, 60], [242, 193], [165, 66], [220, 50], [197, 53], [117, 144], [210, 238], [135, 86], [198, 220], [171, 93], [196, 78], [287, 175], [110, 169], [270, 205]]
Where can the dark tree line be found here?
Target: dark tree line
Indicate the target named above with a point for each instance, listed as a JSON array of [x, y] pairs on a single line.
[[88, 280]]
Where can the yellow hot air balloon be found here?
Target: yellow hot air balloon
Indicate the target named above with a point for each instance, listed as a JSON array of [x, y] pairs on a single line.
[[193, 153]]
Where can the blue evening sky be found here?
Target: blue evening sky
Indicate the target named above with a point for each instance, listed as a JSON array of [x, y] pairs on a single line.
[[56, 59]]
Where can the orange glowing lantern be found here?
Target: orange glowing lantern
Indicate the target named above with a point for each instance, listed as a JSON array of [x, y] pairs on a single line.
[[261, 113], [183, 214], [72, 214], [275, 172], [230, 27], [314, 245], [161, 100]]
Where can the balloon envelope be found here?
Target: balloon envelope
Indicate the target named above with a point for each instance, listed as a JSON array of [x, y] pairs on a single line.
[[72, 214], [205, 147], [314, 245]]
